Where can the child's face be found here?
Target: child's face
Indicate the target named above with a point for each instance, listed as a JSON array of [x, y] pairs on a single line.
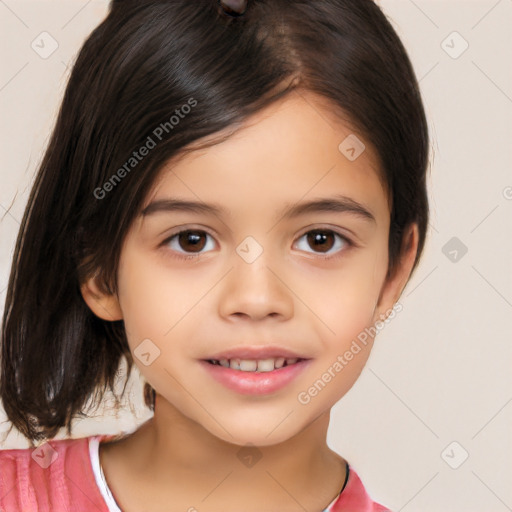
[[230, 296]]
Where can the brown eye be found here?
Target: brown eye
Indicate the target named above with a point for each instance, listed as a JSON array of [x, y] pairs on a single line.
[[322, 241], [190, 242]]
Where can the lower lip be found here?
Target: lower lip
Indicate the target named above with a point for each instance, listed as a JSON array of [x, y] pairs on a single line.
[[256, 383]]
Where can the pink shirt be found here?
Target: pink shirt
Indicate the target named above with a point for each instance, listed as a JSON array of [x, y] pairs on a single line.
[[65, 476]]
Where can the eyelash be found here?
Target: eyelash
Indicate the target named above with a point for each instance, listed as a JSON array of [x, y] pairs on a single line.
[[186, 257]]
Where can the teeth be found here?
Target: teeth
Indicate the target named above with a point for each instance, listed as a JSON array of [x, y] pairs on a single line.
[[247, 365], [279, 362], [265, 365], [260, 365]]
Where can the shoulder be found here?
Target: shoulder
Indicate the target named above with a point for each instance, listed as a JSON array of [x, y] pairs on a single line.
[[355, 498], [55, 476]]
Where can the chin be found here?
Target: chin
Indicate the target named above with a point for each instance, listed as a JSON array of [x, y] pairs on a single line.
[[255, 434]]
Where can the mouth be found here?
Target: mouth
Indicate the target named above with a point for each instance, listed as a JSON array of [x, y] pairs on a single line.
[[256, 365], [257, 377]]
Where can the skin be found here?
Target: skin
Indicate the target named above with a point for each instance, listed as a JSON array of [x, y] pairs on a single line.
[[185, 457]]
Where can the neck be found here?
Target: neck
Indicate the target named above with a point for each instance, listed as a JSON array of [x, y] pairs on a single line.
[[177, 454]]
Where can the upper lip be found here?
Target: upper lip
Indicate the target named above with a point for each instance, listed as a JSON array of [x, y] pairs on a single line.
[[267, 352]]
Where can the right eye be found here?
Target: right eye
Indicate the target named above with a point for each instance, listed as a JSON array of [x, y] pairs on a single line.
[[189, 243]]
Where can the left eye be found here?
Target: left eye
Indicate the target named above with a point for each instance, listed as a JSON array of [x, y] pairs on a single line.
[[323, 240]]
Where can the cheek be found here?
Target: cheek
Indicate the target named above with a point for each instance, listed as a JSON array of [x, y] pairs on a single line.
[[346, 343], [153, 300], [151, 309], [346, 299]]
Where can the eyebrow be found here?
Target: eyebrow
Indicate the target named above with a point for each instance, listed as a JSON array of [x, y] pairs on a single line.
[[336, 204]]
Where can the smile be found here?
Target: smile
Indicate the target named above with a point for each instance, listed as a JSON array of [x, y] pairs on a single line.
[[255, 377], [256, 365]]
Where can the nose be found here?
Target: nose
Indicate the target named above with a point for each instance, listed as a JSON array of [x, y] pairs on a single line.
[[255, 291]]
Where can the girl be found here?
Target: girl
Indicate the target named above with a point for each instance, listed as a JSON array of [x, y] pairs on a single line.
[[233, 198]]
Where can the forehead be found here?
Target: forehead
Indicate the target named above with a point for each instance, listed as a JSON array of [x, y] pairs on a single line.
[[295, 149]]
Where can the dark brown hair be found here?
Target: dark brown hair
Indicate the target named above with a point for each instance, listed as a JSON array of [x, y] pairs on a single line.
[[136, 72]]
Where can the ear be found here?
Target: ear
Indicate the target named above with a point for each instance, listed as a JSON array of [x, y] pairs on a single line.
[[395, 283], [103, 304]]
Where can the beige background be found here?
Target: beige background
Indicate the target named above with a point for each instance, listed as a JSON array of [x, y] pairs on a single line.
[[441, 370]]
